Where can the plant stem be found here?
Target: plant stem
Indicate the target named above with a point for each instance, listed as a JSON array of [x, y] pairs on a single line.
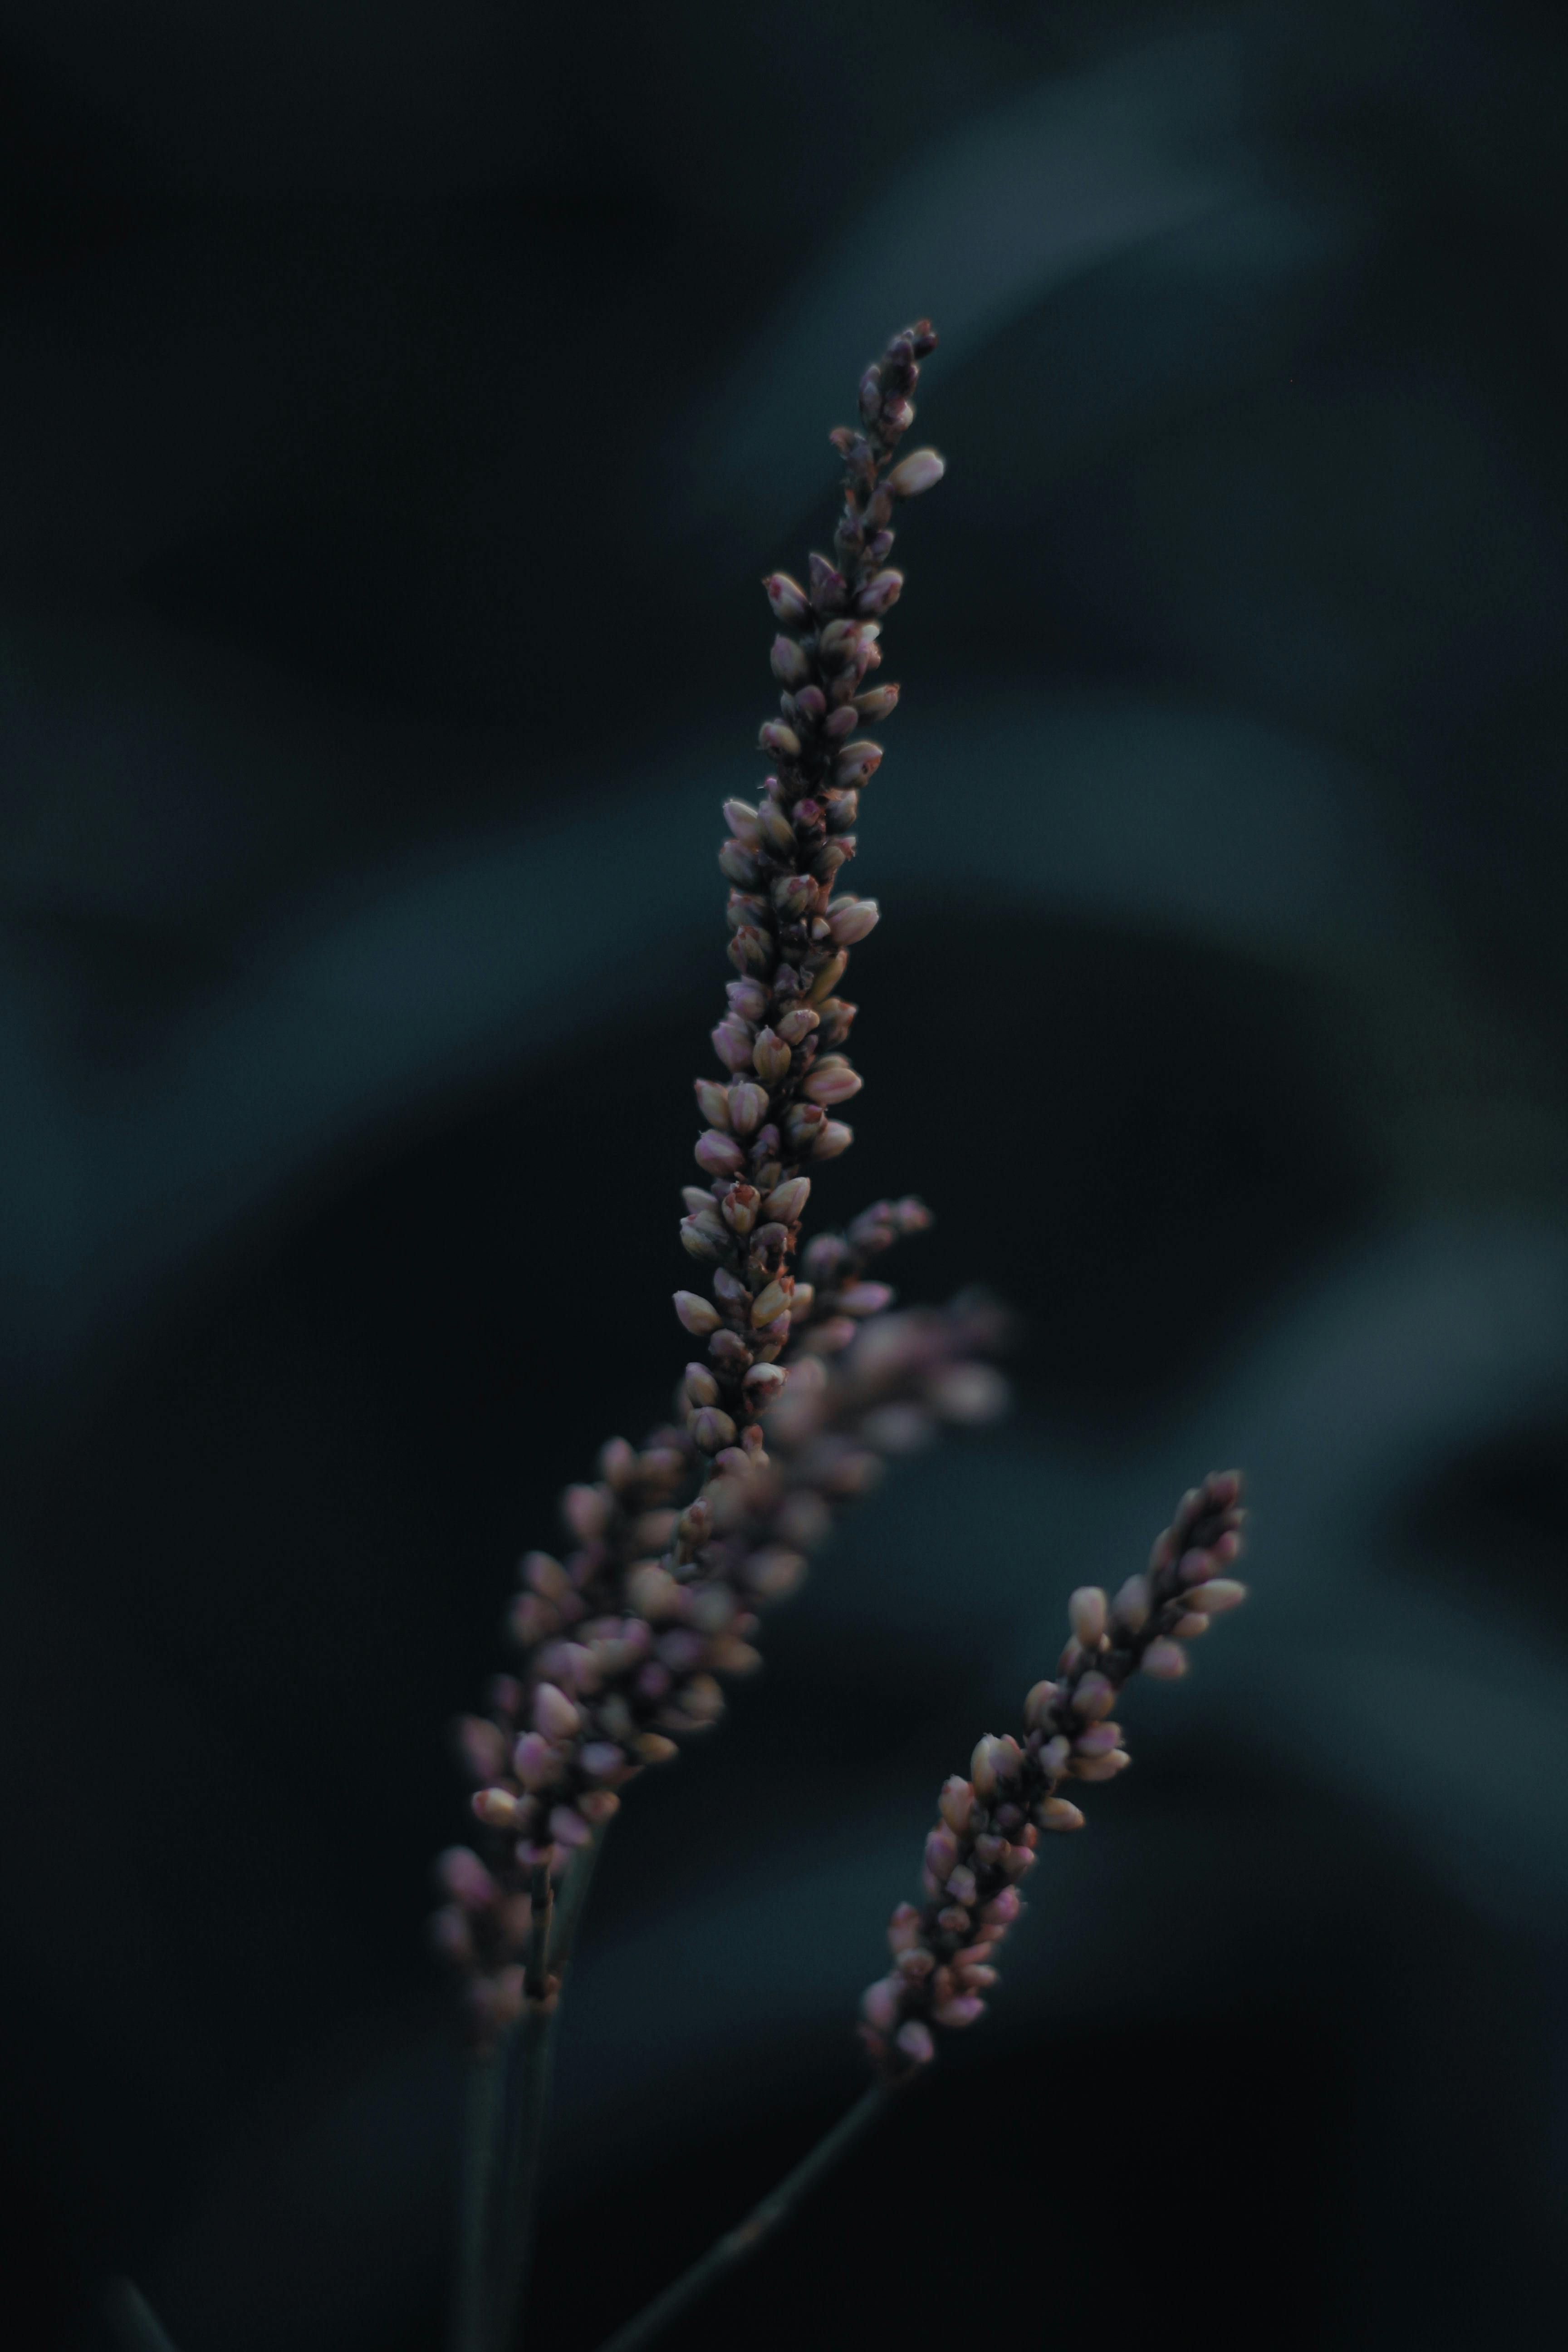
[[739, 2244], [133, 2319], [480, 2138], [518, 2119]]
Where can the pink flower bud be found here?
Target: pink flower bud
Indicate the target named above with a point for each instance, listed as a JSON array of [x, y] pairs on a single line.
[[904, 1928], [920, 470], [781, 741], [1130, 1609], [865, 1298], [699, 1244], [719, 1154], [587, 1511], [1004, 1908], [956, 1803], [962, 2009], [534, 1761], [1055, 1813], [792, 895], [748, 1107], [742, 819], [748, 999], [732, 1043], [740, 1208], [1104, 1768], [857, 763], [785, 1204], [880, 594], [1214, 1599], [698, 1314], [652, 1591], [553, 1712], [496, 1808], [1093, 1696], [701, 1388], [1166, 1661], [711, 1430], [568, 1828], [1097, 1740], [770, 1057], [850, 920], [751, 951], [914, 2040], [941, 1853], [482, 1746], [879, 2003], [829, 589], [789, 661], [713, 1102], [877, 703], [828, 979], [1038, 1705], [832, 1140], [466, 1879], [787, 598], [769, 1302], [545, 1576], [1085, 1614]]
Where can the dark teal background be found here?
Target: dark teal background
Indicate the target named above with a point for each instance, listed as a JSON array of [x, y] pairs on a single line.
[[399, 407]]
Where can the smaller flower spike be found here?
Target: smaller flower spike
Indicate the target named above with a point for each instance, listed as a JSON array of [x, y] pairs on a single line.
[[989, 1825]]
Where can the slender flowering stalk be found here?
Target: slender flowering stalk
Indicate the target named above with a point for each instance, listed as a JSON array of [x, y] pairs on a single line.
[[680, 1543], [988, 1825], [985, 1842]]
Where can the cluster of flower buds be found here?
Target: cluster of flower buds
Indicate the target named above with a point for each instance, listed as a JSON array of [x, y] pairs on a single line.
[[772, 1115], [678, 1544], [625, 1637], [988, 1827]]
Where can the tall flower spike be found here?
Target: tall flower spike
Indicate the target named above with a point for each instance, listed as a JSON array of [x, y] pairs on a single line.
[[989, 1823], [677, 1545]]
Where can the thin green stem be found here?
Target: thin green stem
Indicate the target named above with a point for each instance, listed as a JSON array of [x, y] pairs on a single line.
[[480, 2138], [133, 2319], [525, 2066], [531, 2059], [739, 2244]]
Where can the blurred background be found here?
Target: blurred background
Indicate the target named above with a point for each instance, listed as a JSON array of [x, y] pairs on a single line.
[[400, 407]]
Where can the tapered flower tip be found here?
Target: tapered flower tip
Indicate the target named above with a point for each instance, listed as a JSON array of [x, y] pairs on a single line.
[[1086, 1615], [1214, 1599], [719, 1154], [534, 1761], [904, 1928], [787, 598], [466, 1879], [962, 2009], [879, 2003], [956, 1803], [586, 1511], [1057, 1813], [1093, 1696], [914, 2042], [1166, 1661], [482, 1746], [568, 1828], [699, 1315], [498, 1808], [920, 470], [553, 1712], [711, 1430]]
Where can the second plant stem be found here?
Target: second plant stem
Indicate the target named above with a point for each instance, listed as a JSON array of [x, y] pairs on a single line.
[[509, 2109]]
